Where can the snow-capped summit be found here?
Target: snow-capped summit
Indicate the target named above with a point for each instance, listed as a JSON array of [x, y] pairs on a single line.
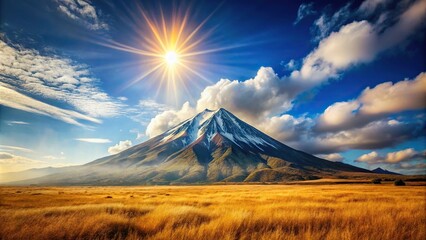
[[208, 124], [212, 146]]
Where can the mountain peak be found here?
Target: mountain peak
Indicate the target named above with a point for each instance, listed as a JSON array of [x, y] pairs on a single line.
[[212, 146], [384, 171]]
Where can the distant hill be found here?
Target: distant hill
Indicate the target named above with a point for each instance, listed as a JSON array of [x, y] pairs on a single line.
[[212, 146], [384, 171]]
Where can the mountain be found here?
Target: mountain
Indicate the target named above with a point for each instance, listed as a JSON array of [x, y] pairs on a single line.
[[28, 174], [213, 146], [384, 171]]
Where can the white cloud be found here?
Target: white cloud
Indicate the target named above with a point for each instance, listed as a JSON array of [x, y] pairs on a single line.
[[334, 157], [168, 119], [291, 65], [55, 78], [370, 6], [146, 110], [13, 99], [286, 127], [326, 24], [253, 99], [375, 103], [336, 130], [262, 100], [15, 148], [391, 98], [94, 140], [83, 12], [392, 157], [375, 135], [305, 9], [119, 147], [11, 123], [356, 43]]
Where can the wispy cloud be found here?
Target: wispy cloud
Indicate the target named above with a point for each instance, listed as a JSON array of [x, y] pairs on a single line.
[[13, 99], [146, 110], [15, 148], [51, 157], [83, 12], [305, 9], [139, 135], [94, 140], [55, 78], [11, 123]]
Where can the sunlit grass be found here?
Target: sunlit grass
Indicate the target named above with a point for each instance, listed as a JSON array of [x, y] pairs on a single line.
[[214, 212]]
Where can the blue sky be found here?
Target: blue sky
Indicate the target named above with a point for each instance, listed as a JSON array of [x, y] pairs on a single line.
[[341, 80]]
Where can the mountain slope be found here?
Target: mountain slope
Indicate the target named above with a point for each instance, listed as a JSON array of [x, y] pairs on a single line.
[[384, 171], [210, 147]]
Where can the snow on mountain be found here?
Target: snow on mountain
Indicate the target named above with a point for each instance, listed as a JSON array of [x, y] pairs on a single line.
[[207, 124], [212, 146]]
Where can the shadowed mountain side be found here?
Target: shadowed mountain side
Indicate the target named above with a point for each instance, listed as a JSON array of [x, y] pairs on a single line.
[[384, 171], [213, 146]]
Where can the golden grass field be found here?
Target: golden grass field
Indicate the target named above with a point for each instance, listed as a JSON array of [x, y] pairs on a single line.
[[344, 211]]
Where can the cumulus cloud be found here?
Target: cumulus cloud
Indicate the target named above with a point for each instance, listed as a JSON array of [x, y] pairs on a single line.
[[264, 95], [334, 157], [305, 9], [286, 127], [169, 119], [94, 140], [54, 78], [338, 129], [121, 146], [390, 98], [375, 135], [83, 12], [391, 157], [413, 166], [267, 95], [262, 100], [356, 43], [375, 103]]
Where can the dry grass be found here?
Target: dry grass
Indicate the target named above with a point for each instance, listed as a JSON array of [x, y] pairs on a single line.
[[214, 212]]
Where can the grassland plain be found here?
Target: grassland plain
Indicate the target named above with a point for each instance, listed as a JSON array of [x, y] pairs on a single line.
[[349, 211]]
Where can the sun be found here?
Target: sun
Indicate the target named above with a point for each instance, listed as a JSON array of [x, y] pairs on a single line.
[[173, 51], [171, 58]]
